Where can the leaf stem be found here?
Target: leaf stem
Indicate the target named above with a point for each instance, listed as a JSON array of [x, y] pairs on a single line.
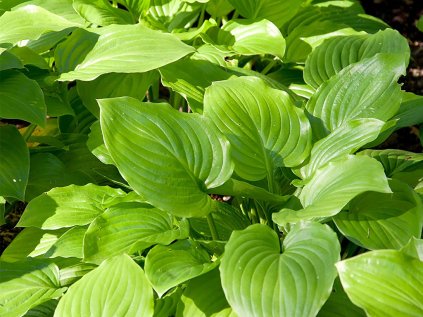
[[202, 14], [268, 67], [212, 227], [28, 131]]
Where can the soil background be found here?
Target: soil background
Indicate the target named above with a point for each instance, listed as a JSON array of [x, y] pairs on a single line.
[[401, 15]]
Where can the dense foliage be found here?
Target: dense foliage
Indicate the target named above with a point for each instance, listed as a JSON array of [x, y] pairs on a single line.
[[207, 158]]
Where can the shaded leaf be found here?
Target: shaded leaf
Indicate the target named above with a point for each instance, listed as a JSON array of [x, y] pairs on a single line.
[[14, 164], [21, 98], [383, 221], [101, 12], [168, 266]]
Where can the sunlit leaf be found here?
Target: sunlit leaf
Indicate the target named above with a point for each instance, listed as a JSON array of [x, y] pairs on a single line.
[[117, 288], [170, 158], [260, 279]]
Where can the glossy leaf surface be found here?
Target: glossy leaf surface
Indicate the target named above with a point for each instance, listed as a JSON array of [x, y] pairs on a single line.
[[383, 221], [384, 282], [68, 206], [177, 156], [145, 50], [129, 225], [261, 280], [333, 186], [262, 124], [117, 288]]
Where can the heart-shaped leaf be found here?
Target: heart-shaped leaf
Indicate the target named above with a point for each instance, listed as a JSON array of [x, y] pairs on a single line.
[[367, 89], [333, 186], [168, 157], [68, 206], [261, 280], [384, 282], [24, 285], [123, 226], [339, 52], [145, 50], [117, 288], [168, 266], [265, 128], [14, 164], [383, 221]]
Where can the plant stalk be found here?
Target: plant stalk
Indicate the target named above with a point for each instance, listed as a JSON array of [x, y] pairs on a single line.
[[212, 227]]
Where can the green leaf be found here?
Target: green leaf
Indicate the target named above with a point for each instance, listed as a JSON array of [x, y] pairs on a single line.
[[68, 206], [262, 124], [261, 280], [114, 85], [394, 161], [337, 53], [117, 288], [101, 12], [345, 139], [410, 111], [29, 23], [30, 242], [276, 11], [384, 282], [24, 285], [367, 89], [45, 309], [190, 77], [204, 297], [14, 164], [69, 245], [419, 24], [168, 266], [168, 157], [251, 37], [218, 8], [96, 145], [9, 61], [166, 305], [126, 226], [2, 210], [383, 221], [339, 305], [333, 186], [21, 98], [128, 49]]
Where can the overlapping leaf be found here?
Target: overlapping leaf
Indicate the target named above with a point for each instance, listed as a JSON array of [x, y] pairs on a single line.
[[117, 288], [127, 226], [263, 125], [339, 52], [24, 285], [14, 167], [260, 279], [367, 89], [384, 282], [333, 186], [128, 49], [21, 98], [346, 139], [101, 12], [168, 266], [30, 22], [68, 206], [383, 221], [168, 157]]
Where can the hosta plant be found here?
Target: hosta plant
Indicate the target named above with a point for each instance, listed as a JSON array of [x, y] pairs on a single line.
[[207, 158]]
